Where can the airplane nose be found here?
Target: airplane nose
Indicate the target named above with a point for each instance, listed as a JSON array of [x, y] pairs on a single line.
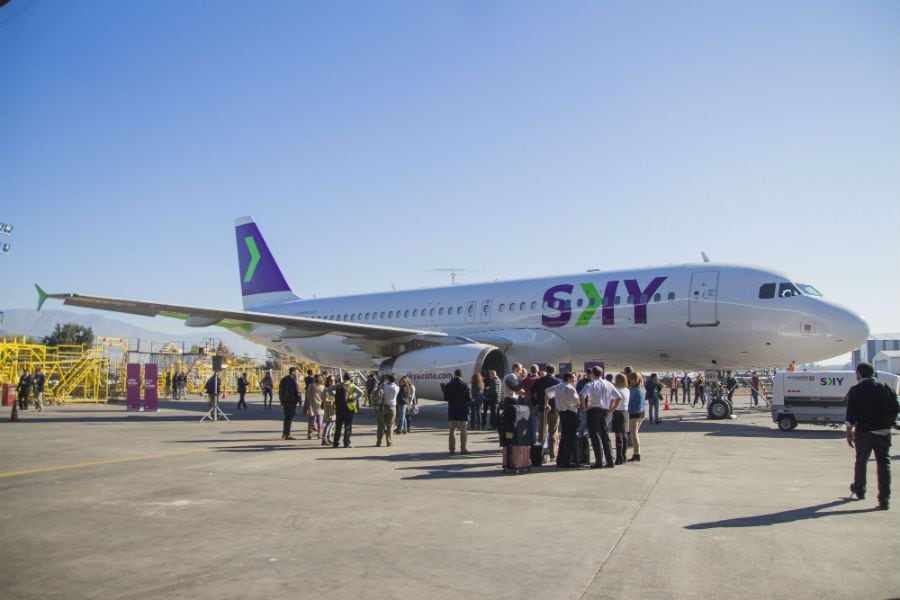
[[850, 329]]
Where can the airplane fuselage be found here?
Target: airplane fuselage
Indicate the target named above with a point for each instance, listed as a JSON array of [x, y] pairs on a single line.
[[704, 316]]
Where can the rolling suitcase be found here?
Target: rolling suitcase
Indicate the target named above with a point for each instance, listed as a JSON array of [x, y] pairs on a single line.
[[516, 458]]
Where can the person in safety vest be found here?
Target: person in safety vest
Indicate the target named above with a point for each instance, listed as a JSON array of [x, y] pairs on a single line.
[[347, 397]]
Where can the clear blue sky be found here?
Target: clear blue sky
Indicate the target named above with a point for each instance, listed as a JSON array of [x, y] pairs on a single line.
[[373, 141]]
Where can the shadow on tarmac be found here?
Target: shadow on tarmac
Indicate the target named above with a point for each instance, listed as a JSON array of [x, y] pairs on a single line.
[[733, 428], [785, 516]]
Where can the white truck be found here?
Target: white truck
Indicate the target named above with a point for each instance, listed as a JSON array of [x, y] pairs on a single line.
[[815, 396]]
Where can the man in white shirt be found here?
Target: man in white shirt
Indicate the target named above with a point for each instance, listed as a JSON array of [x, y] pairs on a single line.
[[567, 403], [387, 412], [600, 396]]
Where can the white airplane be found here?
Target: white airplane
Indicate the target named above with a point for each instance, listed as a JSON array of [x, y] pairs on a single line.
[[688, 317]]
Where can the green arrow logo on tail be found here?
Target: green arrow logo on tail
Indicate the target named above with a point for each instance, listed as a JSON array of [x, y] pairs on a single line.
[[254, 258]]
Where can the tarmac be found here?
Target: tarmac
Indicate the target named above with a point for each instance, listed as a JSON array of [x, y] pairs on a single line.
[[97, 502]]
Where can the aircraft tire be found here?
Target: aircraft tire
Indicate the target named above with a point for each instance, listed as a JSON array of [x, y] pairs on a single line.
[[719, 409]]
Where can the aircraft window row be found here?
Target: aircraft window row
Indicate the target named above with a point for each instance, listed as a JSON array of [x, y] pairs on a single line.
[[642, 299], [766, 291], [785, 290], [406, 313]]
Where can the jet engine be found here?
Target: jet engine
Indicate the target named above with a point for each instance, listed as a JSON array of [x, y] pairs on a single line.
[[431, 367]]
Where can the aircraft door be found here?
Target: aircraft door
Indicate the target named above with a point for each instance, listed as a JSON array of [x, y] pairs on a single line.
[[470, 311], [702, 307], [486, 311]]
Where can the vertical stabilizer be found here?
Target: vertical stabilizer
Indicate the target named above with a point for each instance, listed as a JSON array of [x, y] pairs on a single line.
[[262, 283]]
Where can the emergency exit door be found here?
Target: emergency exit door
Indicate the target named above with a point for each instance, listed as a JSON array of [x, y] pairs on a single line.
[[703, 304]]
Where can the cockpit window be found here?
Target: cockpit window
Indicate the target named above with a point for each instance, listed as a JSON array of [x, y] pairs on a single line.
[[788, 290], [767, 290], [808, 290]]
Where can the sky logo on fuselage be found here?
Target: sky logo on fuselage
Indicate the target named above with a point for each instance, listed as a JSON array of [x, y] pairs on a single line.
[[558, 302], [831, 381]]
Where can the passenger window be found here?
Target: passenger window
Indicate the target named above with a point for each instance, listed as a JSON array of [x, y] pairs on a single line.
[[441, 311], [459, 310], [605, 301], [382, 314], [367, 316], [644, 298], [534, 305], [501, 307], [671, 295], [522, 306], [618, 300], [406, 314], [431, 312], [390, 314], [767, 290], [656, 297], [580, 302], [485, 309], [471, 310], [630, 299], [415, 312]]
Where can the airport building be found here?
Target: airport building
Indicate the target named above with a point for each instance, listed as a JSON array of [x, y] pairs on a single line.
[[887, 360], [882, 342]]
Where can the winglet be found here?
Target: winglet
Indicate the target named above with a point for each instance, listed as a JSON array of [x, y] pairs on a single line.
[[42, 296]]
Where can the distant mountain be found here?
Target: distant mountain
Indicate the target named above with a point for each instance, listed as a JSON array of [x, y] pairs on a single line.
[[23, 321]]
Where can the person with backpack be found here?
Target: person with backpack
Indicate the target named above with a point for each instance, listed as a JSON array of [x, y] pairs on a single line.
[[347, 396], [213, 389], [387, 411], [289, 397]]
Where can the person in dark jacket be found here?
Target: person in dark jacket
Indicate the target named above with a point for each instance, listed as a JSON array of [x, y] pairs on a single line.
[[457, 397], [266, 386], [547, 415], [872, 412], [213, 389], [23, 390], [289, 396], [242, 391]]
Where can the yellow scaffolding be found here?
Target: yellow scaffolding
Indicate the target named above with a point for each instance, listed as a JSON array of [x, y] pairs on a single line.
[[73, 373]]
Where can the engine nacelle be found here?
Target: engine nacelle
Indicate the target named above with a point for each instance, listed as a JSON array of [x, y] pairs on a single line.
[[431, 367]]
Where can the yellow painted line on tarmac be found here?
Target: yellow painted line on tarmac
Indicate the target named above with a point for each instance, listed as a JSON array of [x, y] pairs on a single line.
[[94, 463]]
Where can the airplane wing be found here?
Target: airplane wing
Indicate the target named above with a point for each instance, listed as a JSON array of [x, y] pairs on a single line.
[[376, 340]]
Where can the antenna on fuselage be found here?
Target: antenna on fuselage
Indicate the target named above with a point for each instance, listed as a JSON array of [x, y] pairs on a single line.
[[705, 257], [454, 273]]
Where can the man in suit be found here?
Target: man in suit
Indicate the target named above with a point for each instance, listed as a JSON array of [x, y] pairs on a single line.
[[457, 396], [289, 396]]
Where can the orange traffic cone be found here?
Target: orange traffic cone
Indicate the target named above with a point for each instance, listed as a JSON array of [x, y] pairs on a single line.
[[15, 412], [666, 407]]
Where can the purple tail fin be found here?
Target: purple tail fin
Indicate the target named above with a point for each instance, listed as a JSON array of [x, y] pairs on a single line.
[[261, 280]]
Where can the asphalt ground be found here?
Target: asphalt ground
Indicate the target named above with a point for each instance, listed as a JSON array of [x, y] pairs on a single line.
[[97, 502]]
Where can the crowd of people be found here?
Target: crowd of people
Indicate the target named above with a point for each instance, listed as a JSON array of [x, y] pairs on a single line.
[[590, 406]]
